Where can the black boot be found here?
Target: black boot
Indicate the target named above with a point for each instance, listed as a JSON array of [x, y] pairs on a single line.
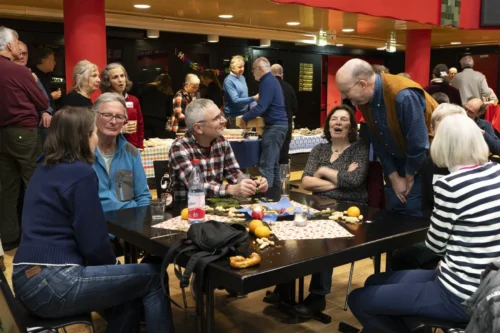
[[312, 305]]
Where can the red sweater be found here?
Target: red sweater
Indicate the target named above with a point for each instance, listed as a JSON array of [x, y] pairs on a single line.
[[134, 113], [20, 97]]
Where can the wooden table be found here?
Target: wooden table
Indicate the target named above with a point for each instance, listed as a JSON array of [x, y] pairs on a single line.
[[289, 260]]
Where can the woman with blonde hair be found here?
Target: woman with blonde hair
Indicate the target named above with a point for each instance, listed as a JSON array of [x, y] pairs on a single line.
[[115, 79], [85, 82], [464, 228]]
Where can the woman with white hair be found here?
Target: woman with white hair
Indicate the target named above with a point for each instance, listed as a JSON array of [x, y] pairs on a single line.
[[181, 99], [463, 228], [115, 79], [236, 92], [418, 255], [85, 82]]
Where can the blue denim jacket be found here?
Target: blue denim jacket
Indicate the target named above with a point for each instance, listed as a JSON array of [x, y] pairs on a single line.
[[410, 107]]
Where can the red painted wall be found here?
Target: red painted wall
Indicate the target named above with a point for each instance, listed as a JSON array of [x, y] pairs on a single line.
[[470, 14], [422, 11]]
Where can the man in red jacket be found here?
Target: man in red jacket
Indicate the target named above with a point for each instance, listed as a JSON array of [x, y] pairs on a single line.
[[22, 101]]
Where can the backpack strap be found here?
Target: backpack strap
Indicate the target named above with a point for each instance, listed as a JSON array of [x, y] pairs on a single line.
[[201, 264], [164, 266]]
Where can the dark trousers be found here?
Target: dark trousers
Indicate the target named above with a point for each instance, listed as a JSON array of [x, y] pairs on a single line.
[[386, 297], [414, 256], [18, 151], [155, 128], [284, 157]]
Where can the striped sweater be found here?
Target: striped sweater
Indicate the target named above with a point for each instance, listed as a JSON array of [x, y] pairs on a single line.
[[465, 226]]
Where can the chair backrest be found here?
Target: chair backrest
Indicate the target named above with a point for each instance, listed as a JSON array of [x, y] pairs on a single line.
[[11, 312], [160, 168], [375, 184]]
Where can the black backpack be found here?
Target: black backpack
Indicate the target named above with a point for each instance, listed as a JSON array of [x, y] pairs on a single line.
[[211, 241]]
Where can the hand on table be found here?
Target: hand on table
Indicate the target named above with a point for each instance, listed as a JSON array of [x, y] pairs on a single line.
[[263, 185], [245, 188]]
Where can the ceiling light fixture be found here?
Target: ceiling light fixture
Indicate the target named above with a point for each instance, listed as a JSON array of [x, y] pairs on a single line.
[[456, 43], [226, 16], [349, 22], [213, 38], [381, 48], [265, 42], [151, 33], [293, 23], [142, 6], [348, 30], [339, 45]]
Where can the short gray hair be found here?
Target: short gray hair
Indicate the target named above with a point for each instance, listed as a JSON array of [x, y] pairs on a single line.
[[195, 111], [81, 73], [263, 62], [467, 61], [458, 141], [107, 98], [363, 70], [6, 36], [444, 110], [192, 79]]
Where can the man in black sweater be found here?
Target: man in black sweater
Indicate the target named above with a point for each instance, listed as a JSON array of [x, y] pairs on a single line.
[[44, 65], [291, 109]]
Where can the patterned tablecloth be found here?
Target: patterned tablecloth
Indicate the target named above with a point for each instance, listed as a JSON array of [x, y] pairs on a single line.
[[299, 144]]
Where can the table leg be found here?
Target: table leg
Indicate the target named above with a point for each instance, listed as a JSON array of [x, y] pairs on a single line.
[[376, 263], [200, 307], [133, 254], [210, 320], [388, 261], [126, 251], [301, 289]]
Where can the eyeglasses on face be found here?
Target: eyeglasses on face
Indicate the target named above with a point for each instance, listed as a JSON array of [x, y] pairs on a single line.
[[108, 116], [345, 93], [217, 118]]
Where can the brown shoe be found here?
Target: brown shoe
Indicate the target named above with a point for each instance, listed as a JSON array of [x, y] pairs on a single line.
[[2, 264]]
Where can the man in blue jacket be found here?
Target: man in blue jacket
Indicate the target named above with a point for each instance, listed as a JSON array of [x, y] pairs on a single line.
[[271, 106], [118, 165]]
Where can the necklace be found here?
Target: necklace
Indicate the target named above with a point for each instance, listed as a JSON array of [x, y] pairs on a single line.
[[339, 150]]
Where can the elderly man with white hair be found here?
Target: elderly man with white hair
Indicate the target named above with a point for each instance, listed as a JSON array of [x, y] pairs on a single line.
[[21, 102], [271, 106], [181, 99], [118, 165], [204, 140], [471, 83], [236, 91]]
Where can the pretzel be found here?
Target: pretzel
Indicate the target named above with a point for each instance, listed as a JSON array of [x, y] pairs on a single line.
[[242, 262]]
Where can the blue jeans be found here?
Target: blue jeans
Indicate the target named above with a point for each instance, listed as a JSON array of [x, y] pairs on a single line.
[[122, 291], [413, 204], [321, 283], [272, 140], [386, 297]]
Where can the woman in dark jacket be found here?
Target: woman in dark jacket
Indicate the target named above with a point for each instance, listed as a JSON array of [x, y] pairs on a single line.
[[441, 83], [214, 88], [156, 104]]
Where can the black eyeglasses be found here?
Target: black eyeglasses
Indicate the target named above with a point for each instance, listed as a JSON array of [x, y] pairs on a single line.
[[347, 91], [218, 118], [109, 116]]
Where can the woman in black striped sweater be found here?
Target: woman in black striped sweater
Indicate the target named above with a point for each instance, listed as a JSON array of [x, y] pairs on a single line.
[[465, 227]]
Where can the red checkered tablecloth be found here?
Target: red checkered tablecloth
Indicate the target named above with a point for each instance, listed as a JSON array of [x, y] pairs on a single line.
[[151, 154]]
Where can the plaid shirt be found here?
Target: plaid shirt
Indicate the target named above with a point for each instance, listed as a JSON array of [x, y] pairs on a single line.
[[179, 103], [220, 164]]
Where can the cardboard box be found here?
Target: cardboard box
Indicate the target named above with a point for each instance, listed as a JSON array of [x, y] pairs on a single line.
[[254, 123]]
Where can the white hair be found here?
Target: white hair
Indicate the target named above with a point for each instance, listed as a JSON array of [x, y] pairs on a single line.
[[81, 73], [467, 61], [107, 98], [235, 61], [263, 62], [458, 141], [6, 37], [446, 109], [195, 111], [192, 79]]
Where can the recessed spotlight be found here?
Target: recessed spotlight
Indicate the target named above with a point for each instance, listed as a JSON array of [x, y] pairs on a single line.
[[141, 6], [455, 43], [339, 45], [348, 30], [293, 23], [226, 16], [381, 48]]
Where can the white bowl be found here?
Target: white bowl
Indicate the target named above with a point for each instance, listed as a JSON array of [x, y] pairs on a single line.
[[253, 137]]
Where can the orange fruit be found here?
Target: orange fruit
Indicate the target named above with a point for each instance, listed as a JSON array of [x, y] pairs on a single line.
[[184, 214], [254, 225], [262, 231], [353, 211]]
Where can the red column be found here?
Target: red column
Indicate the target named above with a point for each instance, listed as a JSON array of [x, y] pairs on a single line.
[[84, 35], [418, 55]]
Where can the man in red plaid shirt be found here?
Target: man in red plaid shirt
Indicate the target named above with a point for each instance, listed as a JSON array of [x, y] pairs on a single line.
[[181, 100], [204, 140]]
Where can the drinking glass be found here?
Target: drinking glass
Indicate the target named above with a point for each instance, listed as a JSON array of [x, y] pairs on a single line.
[[285, 179], [157, 208]]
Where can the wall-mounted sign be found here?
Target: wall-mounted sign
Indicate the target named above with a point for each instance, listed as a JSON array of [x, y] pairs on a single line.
[[305, 77]]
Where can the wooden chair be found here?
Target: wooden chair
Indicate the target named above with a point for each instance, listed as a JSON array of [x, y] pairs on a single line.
[[376, 199], [15, 318]]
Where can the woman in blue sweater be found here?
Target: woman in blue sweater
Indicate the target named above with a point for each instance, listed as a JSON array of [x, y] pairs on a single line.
[[65, 264]]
